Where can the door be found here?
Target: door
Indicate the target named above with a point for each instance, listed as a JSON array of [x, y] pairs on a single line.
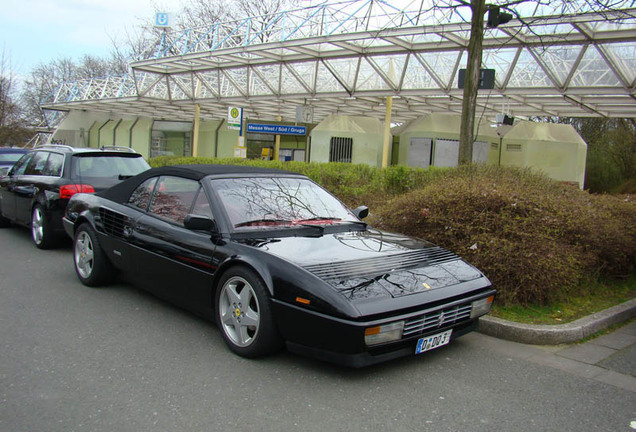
[[420, 152], [480, 151], [170, 260], [446, 153], [8, 186], [26, 186]]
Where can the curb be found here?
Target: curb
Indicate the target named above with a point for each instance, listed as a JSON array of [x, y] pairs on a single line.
[[560, 333]]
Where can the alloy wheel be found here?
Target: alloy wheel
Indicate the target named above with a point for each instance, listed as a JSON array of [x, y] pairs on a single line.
[[37, 225], [239, 311], [84, 254]]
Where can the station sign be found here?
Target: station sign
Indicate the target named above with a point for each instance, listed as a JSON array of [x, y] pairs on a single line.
[[234, 118], [163, 19], [276, 129]]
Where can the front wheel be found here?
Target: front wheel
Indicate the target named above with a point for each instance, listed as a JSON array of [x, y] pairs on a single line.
[[91, 264], [244, 315]]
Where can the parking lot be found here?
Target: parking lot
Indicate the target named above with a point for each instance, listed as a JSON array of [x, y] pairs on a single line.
[[118, 359]]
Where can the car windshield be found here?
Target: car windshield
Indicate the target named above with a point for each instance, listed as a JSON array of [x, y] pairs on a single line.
[[105, 165], [10, 157], [279, 201]]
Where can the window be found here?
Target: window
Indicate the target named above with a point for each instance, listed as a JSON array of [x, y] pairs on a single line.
[[107, 165], [340, 149], [37, 164], [173, 198], [10, 157], [263, 202], [54, 165], [20, 166], [202, 205], [140, 197]]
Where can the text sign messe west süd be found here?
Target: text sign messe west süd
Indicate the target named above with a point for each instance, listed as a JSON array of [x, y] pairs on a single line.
[[276, 129]]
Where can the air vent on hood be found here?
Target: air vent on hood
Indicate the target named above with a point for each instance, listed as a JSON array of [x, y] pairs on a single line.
[[381, 264]]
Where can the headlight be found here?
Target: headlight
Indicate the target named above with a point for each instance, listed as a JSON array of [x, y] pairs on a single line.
[[481, 307], [384, 333]]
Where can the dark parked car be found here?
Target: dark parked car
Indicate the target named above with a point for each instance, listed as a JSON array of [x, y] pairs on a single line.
[[8, 157], [37, 188], [275, 259]]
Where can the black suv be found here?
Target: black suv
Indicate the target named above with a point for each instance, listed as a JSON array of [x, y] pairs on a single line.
[[36, 190]]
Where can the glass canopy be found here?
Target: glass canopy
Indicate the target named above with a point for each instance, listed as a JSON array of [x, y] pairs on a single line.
[[346, 58]]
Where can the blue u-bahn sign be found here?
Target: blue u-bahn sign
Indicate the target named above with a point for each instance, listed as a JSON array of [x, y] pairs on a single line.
[[276, 129]]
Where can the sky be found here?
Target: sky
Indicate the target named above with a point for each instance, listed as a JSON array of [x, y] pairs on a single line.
[[38, 31]]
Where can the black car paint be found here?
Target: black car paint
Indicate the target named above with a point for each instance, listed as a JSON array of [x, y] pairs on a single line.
[[20, 193], [184, 266]]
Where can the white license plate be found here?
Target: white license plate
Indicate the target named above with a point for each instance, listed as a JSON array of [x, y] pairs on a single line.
[[431, 342]]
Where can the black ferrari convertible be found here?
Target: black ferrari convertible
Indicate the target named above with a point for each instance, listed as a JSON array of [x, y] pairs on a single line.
[[276, 261]]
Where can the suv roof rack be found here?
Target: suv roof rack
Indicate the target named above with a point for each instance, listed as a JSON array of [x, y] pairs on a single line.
[[118, 148], [58, 146]]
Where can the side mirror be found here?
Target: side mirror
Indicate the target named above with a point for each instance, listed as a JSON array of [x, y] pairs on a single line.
[[199, 223], [361, 212]]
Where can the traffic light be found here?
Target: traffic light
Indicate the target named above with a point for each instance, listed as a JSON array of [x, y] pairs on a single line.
[[495, 17]]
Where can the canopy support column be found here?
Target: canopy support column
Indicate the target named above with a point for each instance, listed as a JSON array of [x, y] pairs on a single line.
[[387, 132]]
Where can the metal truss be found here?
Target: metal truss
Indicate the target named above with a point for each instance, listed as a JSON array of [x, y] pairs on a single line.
[[347, 58]]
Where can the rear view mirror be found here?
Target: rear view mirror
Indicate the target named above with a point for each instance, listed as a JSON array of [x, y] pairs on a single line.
[[361, 212]]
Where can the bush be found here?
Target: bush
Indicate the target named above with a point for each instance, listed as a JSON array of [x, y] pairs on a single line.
[[533, 237]]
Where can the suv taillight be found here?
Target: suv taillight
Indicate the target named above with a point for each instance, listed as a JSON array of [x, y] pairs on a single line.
[[68, 191]]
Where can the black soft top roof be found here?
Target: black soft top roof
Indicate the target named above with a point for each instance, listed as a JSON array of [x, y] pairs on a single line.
[[120, 192]]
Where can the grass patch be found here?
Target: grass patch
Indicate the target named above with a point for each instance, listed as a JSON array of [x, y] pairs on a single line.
[[581, 301]]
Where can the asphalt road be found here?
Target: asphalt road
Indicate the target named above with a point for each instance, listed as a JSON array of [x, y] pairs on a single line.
[[118, 359]]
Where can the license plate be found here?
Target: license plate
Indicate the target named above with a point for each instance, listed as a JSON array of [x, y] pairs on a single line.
[[431, 342]]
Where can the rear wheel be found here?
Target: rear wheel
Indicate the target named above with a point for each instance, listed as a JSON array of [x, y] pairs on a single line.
[[91, 264], [4, 222], [244, 315], [40, 229]]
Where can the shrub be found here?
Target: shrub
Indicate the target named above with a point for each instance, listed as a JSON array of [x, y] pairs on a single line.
[[532, 236]]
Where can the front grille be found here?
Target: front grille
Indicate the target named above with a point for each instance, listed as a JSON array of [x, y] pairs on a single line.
[[437, 319], [114, 223], [380, 265]]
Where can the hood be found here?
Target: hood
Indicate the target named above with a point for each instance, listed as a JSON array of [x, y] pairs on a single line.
[[368, 264]]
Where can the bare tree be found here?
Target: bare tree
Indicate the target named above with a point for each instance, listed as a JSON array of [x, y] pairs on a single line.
[[520, 10], [12, 131], [45, 79]]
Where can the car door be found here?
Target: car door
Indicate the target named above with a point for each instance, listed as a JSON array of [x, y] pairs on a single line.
[[27, 186], [8, 186], [170, 260]]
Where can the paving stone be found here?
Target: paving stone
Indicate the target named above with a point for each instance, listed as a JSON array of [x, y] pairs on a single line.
[[587, 353], [567, 365], [617, 380], [615, 340], [628, 329], [623, 361]]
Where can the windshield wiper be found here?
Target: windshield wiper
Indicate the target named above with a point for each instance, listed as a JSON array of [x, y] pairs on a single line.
[[319, 218], [262, 221]]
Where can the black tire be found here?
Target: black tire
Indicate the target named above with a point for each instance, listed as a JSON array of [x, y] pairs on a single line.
[[4, 222], [91, 264], [40, 228], [244, 314]]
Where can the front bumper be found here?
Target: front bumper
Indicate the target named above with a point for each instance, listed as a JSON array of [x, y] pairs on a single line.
[[341, 341], [373, 356]]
